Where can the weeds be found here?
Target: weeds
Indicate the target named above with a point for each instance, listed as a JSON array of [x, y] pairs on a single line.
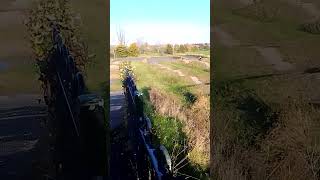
[[189, 151], [261, 144], [260, 11]]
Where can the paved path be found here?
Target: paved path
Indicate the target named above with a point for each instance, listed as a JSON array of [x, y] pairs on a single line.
[[20, 131], [270, 55], [120, 165], [116, 109]]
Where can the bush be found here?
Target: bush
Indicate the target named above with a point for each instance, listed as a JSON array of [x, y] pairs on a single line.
[[124, 68], [182, 48], [39, 23], [313, 28], [169, 49], [133, 50], [121, 51]]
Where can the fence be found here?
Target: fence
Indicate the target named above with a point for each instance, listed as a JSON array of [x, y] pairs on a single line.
[[77, 121], [152, 159]]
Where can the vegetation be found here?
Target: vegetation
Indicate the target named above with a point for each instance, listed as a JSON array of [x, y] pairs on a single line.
[[133, 50], [169, 49], [313, 27], [121, 51], [40, 24], [171, 133], [180, 114], [125, 69], [259, 132]]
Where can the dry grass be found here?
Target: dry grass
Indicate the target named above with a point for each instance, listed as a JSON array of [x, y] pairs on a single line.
[[195, 119], [290, 150]]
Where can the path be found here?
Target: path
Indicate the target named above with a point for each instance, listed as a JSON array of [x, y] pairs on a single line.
[[119, 159], [273, 57], [116, 109], [309, 8], [179, 73], [270, 55], [20, 131]]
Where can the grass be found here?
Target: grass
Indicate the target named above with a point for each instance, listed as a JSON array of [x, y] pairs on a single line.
[[260, 132], [95, 32], [178, 113], [170, 132], [283, 31], [150, 76], [191, 69]]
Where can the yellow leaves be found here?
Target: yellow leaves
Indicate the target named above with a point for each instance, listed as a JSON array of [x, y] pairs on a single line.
[[125, 69], [39, 21]]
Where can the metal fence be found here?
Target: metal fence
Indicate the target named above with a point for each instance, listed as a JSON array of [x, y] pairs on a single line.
[[152, 158], [77, 119]]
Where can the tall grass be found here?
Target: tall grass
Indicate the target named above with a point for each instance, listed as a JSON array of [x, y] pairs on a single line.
[[188, 146], [287, 149]]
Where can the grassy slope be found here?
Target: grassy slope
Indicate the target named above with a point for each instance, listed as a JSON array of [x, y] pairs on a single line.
[[191, 69], [298, 48], [153, 76], [94, 16], [168, 129]]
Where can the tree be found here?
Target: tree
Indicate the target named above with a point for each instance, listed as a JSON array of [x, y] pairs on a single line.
[[121, 51], [194, 48], [121, 36], [133, 50], [182, 48], [169, 49]]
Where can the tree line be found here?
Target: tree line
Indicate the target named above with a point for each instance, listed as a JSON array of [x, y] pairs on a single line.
[[134, 50]]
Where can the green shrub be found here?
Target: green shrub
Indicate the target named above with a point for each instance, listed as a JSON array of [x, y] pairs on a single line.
[[121, 51], [169, 49], [133, 50]]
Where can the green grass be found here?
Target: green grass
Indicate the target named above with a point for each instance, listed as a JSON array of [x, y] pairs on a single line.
[[236, 126], [191, 69], [152, 76], [205, 53], [169, 132], [297, 46]]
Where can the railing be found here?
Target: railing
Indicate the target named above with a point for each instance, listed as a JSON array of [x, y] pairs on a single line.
[[152, 159], [77, 118]]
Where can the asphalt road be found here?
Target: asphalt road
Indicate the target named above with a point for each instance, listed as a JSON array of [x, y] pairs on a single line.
[[116, 109], [120, 164], [20, 131]]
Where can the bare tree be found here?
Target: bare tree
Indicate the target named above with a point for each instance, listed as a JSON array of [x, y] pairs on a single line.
[[121, 36]]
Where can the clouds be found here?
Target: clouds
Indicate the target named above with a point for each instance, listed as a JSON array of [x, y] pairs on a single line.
[[162, 32]]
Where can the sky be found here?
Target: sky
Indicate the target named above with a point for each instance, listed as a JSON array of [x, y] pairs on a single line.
[[160, 21]]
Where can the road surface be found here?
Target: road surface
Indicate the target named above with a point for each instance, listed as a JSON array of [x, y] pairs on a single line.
[[20, 131]]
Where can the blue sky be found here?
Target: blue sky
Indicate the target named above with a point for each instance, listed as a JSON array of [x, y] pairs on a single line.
[[161, 21]]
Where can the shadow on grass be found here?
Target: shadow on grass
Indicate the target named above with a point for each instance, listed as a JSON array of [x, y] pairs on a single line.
[[254, 116], [188, 98]]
